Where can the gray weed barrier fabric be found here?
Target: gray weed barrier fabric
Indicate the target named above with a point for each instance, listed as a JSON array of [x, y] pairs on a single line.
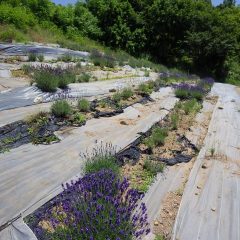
[[210, 206], [25, 49], [172, 178], [31, 175], [27, 96]]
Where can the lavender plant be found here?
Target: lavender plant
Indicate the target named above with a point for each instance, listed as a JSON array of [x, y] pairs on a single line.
[[98, 206], [187, 91]]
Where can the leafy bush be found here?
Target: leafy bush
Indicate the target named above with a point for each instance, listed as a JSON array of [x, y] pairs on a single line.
[[83, 105], [61, 108], [8, 33], [46, 81], [102, 158], [156, 138], [126, 93], [102, 60], [32, 57], [95, 207]]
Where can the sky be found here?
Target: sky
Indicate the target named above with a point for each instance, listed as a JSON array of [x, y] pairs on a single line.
[[64, 2]]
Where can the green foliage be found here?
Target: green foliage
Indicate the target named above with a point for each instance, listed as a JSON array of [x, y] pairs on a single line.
[[79, 119], [160, 237], [65, 58], [174, 121], [40, 58], [83, 105], [84, 77], [46, 81], [126, 93], [102, 158], [32, 57], [8, 33], [61, 108], [233, 66], [153, 167], [156, 138], [191, 106], [145, 88], [117, 97]]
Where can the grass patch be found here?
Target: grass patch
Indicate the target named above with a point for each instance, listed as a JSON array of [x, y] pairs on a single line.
[[174, 121], [32, 57], [146, 88], [156, 138], [79, 119], [83, 105], [84, 77], [126, 93], [61, 108]]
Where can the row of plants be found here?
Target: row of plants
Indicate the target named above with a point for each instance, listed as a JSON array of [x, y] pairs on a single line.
[[100, 205], [153, 144]]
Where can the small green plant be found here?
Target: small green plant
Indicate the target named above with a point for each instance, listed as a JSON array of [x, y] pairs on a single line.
[[41, 58], [117, 97], [83, 105], [102, 158], [61, 108], [32, 57], [103, 103], [174, 121], [45, 81], [84, 77], [153, 167], [126, 93], [65, 58], [212, 151], [145, 88], [160, 237], [146, 73], [156, 138], [79, 119], [182, 93], [191, 106]]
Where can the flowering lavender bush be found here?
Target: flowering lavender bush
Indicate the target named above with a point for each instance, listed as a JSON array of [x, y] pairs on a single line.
[[98, 206], [187, 91], [206, 83]]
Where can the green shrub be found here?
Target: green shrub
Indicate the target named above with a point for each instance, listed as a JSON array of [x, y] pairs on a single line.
[[153, 167], [84, 77], [8, 33], [182, 93], [102, 158], [79, 119], [46, 81], [65, 58], [126, 93], [145, 88], [61, 108], [191, 106], [117, 97], [156, 138], [41, 58], [174, 121], [64, 79], [32, 57], [83, 105], [146, 73]]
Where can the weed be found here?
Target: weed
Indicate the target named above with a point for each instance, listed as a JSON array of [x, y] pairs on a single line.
[[83, 105], [146, 73], [32, 57], [65, 58], [160, 237], [61, 108]]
